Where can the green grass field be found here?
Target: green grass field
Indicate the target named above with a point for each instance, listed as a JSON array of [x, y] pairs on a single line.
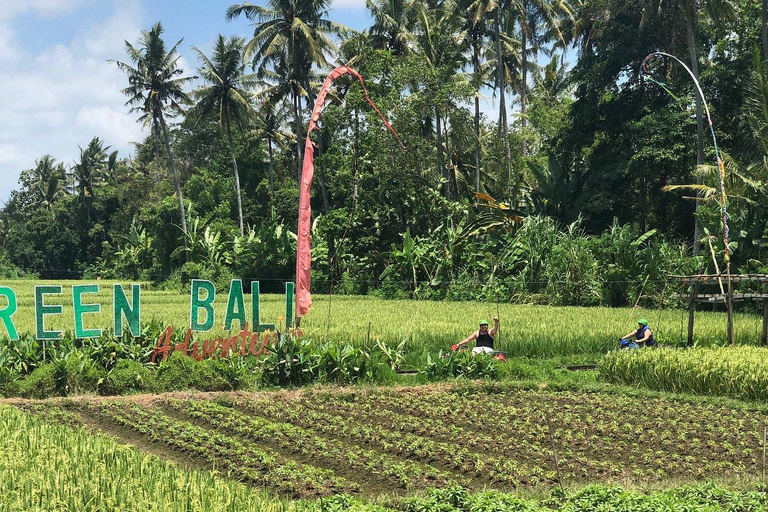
[[526, 330]]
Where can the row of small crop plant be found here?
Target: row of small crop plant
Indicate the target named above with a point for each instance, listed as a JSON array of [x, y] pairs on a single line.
[[739, 371], [258, 465], [386, 433], [596, 434], [45, 466], [386, 471]]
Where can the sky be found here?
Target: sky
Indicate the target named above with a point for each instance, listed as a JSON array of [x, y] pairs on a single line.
[[58, 89]]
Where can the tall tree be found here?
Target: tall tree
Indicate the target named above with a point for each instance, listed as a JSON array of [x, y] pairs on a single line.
[[226, 92], [270, 120], [691, 11], [293, 35], [155, 90], [476, 14], [440, 44], [48, 184], [505, 50], [89, 171], [534, 19], [392, 24]]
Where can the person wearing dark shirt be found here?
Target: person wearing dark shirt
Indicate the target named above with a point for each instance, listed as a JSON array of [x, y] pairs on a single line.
[[483, 337], [643, 336]]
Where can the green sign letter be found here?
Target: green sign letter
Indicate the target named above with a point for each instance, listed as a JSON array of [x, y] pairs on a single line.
[[235, 300], [41, 310], [255, 310], [7, 312], [132, 314], [77, 302], [197, 304]]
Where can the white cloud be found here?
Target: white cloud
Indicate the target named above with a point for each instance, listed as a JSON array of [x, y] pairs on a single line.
[[59, 97], [348, 4], [12, 8]]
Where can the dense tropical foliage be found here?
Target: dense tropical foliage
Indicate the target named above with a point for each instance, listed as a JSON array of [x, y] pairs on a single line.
[[579, 172]]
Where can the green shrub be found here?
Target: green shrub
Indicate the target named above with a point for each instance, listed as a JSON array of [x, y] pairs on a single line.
[[41, 383], [9, 382], [128, 377]]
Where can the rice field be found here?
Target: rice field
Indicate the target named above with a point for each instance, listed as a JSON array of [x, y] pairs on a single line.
[[738, 372], [46, 467], [526, 330]]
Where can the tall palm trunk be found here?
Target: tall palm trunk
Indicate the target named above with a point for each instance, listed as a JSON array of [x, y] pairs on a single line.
[[156, 133], [297, 122], [321, 175], [237, 175], [476, 64], [441, 171], [524, 84], [176, 179], [502, 99], [690, 29], [356, 178], [271, 167]]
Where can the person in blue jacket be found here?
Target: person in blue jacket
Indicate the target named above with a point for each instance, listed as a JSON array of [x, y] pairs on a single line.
[[642, 337]]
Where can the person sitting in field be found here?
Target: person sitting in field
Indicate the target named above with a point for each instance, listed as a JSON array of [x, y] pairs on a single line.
[[643, 336], [483, 337]]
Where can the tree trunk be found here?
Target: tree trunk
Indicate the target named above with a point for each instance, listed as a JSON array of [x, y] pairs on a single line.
[[237, 175], [524, 84], [690, 29], [297, 126], [321, 175], [356, 178], [156, 134], [439, 147], [476, 64], [176, 179], [271, 167], [502, 100]]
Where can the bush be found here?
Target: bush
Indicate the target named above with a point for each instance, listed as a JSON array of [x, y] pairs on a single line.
[[41, 383], [9, 382], [180, 372], [128, 377]]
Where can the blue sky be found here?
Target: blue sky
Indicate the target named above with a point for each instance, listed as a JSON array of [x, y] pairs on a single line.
[[57, 90]]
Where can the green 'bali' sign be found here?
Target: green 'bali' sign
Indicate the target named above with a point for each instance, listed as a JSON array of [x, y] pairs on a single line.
[[201, 311]]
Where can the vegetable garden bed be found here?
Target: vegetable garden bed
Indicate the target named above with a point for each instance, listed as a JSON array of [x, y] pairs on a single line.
[[386, 441]]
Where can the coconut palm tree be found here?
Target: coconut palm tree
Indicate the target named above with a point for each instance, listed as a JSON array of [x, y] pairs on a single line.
[[440, 43], [392, 24], [270, 119], [291, 36], [502, 60], [534, 19], [227, 91], [155, 89], [49, 182], [476, 14], [89, 171]]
